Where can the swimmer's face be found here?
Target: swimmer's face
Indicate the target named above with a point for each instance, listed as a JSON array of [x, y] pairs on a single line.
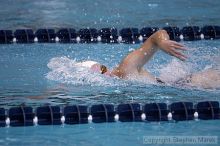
[[100, 69]]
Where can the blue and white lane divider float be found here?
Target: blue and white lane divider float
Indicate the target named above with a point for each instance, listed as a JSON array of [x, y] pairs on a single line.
[[130, 112], [106, 35]]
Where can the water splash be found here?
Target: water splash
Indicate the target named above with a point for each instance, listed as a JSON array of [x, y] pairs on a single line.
[[66, 70], [152, 5], [174, 71]]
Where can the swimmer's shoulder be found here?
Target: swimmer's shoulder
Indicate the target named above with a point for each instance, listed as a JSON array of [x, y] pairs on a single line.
[[116, 72]]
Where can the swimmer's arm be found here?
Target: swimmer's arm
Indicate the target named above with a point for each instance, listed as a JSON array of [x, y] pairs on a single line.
[[138, 58], [161, 40], [158, 40], [145, 73]]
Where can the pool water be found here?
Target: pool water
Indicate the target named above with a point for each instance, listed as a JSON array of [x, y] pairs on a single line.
[[25, 76], [38, 74], [105, 134], [32, 70], [98, 14]]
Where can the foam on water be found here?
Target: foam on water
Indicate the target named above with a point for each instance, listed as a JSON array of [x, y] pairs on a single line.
[[66, 70], [174, 71]]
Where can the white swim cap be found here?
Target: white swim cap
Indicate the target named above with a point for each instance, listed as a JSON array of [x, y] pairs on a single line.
[[87, 64]]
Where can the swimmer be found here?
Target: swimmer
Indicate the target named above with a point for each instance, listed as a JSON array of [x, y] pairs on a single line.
[[131, 67]]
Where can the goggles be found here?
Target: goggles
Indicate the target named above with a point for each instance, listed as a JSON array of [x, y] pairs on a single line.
[[103, 69]]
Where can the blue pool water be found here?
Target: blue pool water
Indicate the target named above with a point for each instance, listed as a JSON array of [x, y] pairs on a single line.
[[25, 74], [36, 74], [107, 134], [99, 13]]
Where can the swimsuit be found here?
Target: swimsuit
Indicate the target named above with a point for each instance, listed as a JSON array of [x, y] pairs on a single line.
[[184, 81], [159, 81]]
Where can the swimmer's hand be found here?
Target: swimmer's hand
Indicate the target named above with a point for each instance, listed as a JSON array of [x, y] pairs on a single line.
[[162, 40], [173, 48]]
